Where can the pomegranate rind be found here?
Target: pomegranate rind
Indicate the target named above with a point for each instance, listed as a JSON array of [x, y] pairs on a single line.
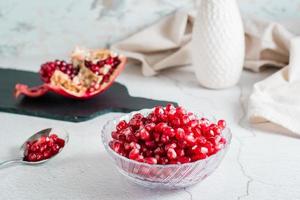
[[21, 89]]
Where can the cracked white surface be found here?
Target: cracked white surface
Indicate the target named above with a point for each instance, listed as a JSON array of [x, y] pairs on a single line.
[[259, 165]]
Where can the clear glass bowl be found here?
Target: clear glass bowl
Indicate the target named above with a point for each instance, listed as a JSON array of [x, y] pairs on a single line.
[[172, 176]]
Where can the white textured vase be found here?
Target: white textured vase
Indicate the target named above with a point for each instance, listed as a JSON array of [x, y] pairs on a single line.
[[218, 44]]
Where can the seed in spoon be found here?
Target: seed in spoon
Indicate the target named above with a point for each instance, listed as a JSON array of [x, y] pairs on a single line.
[[43, 148]]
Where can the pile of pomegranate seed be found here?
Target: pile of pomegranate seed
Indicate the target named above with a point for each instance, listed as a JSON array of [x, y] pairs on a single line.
[[103, 67], [48, 68], [43, 148], [168, 135]]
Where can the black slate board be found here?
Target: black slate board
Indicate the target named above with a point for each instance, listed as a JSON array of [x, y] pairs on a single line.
[[115, 99]]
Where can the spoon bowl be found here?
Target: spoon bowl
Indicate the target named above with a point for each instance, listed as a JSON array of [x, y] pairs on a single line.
[[61, 133]]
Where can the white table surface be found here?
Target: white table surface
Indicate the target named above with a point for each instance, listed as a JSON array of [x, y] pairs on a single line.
[[259, 165]]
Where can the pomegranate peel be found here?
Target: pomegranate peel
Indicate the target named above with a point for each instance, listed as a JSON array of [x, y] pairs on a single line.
[[90, 72]]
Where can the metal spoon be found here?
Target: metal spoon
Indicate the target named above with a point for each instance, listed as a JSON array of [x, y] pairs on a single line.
[[46, 132]]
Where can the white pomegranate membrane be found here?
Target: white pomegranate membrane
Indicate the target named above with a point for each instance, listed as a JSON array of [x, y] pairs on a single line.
[[89, 72], [168, 135], [43, 148]]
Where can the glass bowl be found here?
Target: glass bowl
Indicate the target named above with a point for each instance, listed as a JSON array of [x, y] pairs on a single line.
[[171, 176]]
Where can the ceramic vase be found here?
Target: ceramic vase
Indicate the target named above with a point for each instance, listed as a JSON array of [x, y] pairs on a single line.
[[218, 44]]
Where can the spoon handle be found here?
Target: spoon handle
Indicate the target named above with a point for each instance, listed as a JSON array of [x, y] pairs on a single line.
[[9, 162]]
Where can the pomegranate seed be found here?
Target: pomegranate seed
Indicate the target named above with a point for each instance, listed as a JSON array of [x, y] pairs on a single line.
[[156, 136], [150, 144], [161, 126], [122, 125], [158, 111], [184, 159], [149, 127], [150, 160], [139, 158], [197, 131], [169, 131], [134, 153], [169, 107], [144, 134], [176, 122], [163, 161], [170, 146], [171, 153], [199, 157], [164, 138], [222, 124], [180, 152], [180, 111], [185, 119], [190, 139], [158, 151], [179, 134], [60, 142], [134, 145], [192, 123]]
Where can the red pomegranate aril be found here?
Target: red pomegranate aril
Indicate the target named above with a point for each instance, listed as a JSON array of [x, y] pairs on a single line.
[[180, 152], [34, 147], [134, 153], [176, 122], [135, 145], [183, 160], [117, 146], [163, 161], [150, 160], [158, 111], [31, 157], [53, 137], [121, 125], [222, 124], [198, 157], [179, 134], [139, 158], [161, 126], [60, 142], [115, 135], [47, 154], [185, 119], [148, 153], [127, 146], [171, 153], [193, 123], [170, 107], [150, 126], [159, 151], [39, 157], [144, 134], [156, 136], [169, 131], [150, 144], [190, 139], [197, 131], [170, 146], [152, 117], [164, 139], [201, 140], [169, 135]]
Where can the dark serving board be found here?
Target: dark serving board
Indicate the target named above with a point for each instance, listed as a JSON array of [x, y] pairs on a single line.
[[115, 99]]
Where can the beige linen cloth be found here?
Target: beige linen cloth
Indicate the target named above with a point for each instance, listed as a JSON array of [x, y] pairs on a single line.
[[275, 99]]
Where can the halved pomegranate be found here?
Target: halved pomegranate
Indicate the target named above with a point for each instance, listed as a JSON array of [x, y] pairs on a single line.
[[89, 73]]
